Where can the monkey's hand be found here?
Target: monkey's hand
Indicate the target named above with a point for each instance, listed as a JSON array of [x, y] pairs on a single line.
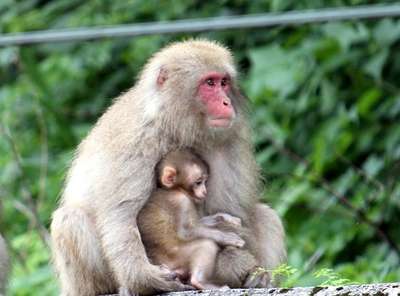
[[221, 219], [258, 277], [229, 239], [162, 279], [229, 229]]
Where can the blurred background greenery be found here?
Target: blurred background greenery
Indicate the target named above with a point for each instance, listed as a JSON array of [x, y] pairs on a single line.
[[325, 107]]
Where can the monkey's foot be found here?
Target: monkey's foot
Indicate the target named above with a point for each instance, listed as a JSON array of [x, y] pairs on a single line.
[[123, 291], [258, 278]]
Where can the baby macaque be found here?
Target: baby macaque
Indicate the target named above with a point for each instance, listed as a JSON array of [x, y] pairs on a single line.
[[170, 226]]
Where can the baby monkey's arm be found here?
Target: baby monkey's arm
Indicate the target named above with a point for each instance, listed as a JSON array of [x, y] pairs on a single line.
[[221, 219], [189, 228]]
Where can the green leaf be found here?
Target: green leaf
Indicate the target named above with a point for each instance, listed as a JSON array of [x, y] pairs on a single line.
[[375, 64], [277, 70], [347, 34], [373, 165], [386, 32], [367, 101]]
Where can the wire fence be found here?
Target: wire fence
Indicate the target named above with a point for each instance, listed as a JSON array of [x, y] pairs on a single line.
[[201, 25]]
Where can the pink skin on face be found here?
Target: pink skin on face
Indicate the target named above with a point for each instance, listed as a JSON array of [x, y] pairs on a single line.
[[213, 92]]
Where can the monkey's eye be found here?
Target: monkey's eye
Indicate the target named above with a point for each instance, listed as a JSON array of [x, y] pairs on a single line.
[[210, 81], [198, 183], [224, 81]]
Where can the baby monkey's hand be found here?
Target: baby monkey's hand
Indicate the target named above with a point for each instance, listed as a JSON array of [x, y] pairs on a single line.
[[220, 219]]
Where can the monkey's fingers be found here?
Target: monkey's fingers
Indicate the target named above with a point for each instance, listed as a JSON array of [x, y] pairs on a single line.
[[224, 217], [173, 286], [260, 280], [221, 219], [232, 239], [167, 281], [251, 281], [169, 275], [209, 221]]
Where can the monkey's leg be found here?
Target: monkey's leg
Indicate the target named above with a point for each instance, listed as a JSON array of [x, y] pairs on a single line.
[[270, 243], [233, 265], [270, 250], [77, 255], [236, 267], [203, 255]]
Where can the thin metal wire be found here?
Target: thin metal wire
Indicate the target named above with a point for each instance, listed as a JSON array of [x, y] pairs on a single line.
[[206, 24]]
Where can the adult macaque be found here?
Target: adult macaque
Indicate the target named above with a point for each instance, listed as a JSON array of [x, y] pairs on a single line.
[[4, 266], [169, 222], [186, 96]]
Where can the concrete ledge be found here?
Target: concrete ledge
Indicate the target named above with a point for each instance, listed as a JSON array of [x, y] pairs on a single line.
[[389, 289]]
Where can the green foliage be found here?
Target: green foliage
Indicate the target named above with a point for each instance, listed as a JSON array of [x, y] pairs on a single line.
[[284, 276], [35, 274], [287, 276], [331, 278], [325, 108]]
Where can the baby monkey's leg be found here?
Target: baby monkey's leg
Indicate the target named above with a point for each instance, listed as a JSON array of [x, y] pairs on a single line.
[[203, 257]]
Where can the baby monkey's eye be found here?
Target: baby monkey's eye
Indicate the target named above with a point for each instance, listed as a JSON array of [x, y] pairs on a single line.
[[198, 182]]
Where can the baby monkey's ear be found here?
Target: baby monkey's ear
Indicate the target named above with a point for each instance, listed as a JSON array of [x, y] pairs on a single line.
[[168, 177]]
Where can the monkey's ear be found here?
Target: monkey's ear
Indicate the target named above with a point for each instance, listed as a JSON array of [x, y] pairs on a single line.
[[162, 76], [168, 177]]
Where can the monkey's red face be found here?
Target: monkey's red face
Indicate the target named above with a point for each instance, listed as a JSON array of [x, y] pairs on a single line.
[[213, 92]]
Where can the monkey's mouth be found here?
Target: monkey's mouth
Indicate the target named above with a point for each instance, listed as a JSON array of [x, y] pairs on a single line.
[[220, 122]]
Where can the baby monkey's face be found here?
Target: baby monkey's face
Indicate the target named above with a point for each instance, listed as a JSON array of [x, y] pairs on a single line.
[[200, 188], [197, 181], [186, 173]]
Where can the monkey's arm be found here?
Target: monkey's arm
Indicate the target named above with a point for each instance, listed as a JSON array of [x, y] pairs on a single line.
[[125, 252], [189, 228], [124, 249], [221, 220]]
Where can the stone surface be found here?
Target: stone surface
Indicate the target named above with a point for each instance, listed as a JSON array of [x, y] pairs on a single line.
[[389, 289]]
